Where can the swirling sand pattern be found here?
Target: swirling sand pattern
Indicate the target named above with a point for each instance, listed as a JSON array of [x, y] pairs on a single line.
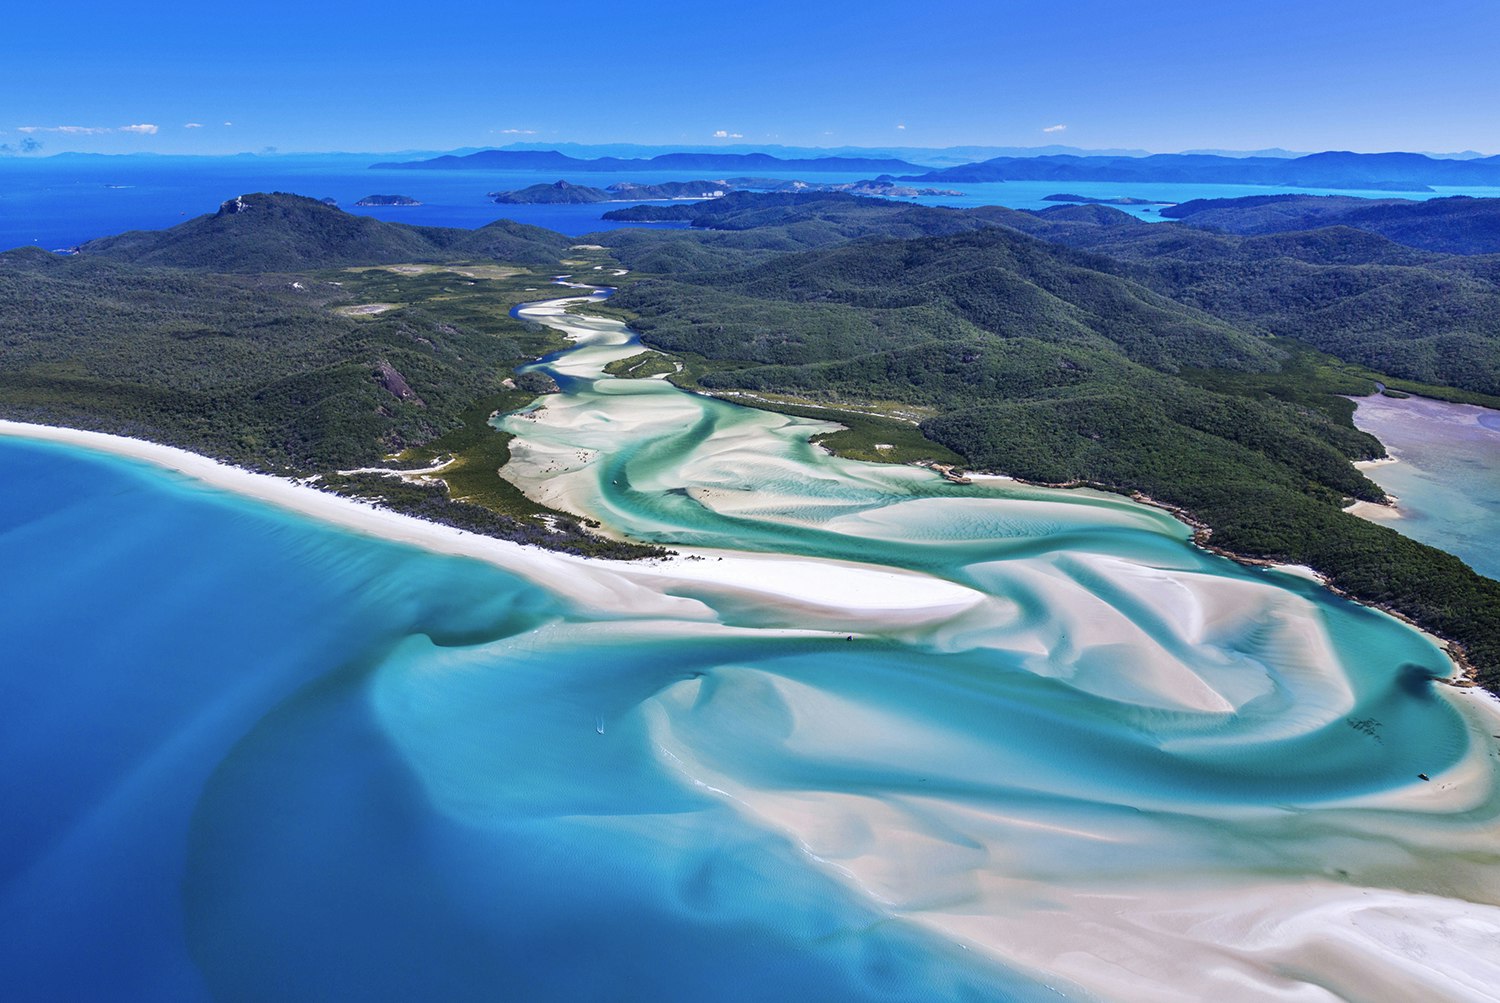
[[878, 737]]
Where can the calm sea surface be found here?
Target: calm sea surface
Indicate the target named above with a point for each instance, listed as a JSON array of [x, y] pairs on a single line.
[[59, 203], [1447, 475]]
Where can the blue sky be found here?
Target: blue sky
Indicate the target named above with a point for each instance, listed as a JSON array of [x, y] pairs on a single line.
[[181, 78]]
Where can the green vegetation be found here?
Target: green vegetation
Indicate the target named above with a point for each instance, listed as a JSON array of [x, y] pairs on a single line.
[[867, 435], [557, 193], [473, 454], [279, 232], [292, 372], [1456, 225], [1200, 368], [1422, 317], [258, 370], [642, 366], [432, 502]]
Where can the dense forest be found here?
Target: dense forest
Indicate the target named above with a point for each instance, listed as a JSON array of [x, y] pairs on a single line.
[[1456, 225], [241, 355]]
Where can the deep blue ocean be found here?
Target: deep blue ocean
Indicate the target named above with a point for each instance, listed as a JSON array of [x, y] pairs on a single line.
[[207, 796], [60, 202]]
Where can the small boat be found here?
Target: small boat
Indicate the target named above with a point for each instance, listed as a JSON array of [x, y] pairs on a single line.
[[599, 725], [1423, 776]]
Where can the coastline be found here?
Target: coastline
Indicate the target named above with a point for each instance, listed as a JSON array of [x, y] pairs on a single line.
[[795, 595], [1465, 674], [602, 586], [635, 588]]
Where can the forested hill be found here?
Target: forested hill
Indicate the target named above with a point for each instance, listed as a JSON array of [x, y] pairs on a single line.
[[744, 226], [1418, 315], [1456, 225], [1424, 316], [999, 281], [282, 232], [567, 193]]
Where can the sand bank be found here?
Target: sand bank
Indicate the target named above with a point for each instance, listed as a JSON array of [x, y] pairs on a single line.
[[607, 588]]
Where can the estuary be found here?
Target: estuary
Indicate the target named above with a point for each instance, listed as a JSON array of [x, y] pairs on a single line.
[[868, 735]]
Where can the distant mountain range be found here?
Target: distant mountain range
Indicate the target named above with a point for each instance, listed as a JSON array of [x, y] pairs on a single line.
[[1394, 172], [1360, 171], [551, 160]]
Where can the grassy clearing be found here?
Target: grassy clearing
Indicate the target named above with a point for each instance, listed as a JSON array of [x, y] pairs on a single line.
[[882, 440], [881, 432], [643, 366], [478, 451], [366, 309]]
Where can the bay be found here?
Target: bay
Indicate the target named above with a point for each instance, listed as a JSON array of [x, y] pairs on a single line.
[[1446, 478], [870, 736]]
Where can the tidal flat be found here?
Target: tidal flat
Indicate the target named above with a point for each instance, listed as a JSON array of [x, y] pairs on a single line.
[[1446, 478], [869, 735]]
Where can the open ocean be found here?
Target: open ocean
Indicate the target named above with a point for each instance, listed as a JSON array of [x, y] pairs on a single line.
[[58, 203]]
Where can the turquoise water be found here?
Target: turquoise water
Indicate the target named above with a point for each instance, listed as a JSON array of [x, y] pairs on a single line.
[[1447, 476], [1033, 194], [985, 742], [206, 799]]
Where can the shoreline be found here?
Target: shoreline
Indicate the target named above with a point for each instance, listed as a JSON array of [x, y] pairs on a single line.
[[1465, 675], [601, 583], [604, 586], [793, 595]]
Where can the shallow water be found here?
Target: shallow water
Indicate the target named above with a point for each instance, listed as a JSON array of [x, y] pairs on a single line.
[[1447, 476], [960, 742]]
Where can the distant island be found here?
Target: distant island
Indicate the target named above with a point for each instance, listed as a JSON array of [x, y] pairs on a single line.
[[567, 193], [884, 187], [1396, 172], [370, 200], [1090, 200], [551, 160]]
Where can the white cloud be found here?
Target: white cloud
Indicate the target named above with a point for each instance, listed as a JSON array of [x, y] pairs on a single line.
[[1056, 128], [726, 134], [518, 132], [90, 130], [192, 125], [901, 126], [72, 130], [229, 123]]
